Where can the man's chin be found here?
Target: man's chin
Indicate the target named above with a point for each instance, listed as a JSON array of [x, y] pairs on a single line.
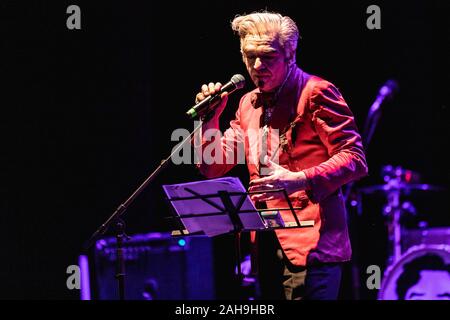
[[260, 83], [265, 88]]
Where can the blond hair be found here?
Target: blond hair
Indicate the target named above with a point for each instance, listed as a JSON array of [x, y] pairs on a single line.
[[273, 24]]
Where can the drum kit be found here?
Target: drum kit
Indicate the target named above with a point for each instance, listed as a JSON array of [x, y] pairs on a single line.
[[418, 263]]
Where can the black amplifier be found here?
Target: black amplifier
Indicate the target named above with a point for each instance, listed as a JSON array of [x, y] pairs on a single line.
[[158, 267]]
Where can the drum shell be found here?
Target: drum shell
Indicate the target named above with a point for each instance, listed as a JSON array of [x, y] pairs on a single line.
[[393, 272]]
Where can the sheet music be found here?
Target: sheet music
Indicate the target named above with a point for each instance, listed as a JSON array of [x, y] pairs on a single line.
[[212, 225]]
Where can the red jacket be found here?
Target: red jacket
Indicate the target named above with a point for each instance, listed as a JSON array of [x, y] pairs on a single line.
[[324, 143]]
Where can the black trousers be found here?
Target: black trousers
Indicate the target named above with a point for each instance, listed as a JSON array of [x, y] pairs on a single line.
[[278, 279]]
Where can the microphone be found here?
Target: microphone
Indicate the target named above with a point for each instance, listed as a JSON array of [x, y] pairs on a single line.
[[387, 91], [236, 82]]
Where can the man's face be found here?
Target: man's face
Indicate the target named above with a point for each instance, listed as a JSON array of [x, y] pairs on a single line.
[[433, 285], [266, 61]]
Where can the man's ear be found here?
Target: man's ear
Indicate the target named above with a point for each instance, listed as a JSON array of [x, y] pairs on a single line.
[[289, 56], [290, 60]]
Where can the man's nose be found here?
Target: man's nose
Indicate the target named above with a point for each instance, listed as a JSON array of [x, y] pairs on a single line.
[[258, 63]]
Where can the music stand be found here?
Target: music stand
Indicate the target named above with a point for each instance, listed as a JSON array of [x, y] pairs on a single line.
[[219, 206]]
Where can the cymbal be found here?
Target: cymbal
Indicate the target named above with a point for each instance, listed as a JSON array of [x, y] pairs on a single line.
[[403, 187]]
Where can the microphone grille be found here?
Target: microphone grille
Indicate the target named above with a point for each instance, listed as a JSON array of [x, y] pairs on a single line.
[[393, 85], [390, 88], [238, 80]]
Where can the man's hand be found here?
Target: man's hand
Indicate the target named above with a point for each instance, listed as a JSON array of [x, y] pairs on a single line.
[[280, 178], [211, 89]]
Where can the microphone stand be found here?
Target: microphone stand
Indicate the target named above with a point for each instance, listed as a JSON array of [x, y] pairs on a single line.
[[115, 218], [366, 136]]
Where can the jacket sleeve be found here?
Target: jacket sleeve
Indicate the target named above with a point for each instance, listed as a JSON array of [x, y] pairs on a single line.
[[335, 125], [218, 154]]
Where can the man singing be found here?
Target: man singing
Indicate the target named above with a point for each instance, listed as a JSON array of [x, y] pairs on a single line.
[[319, 150]]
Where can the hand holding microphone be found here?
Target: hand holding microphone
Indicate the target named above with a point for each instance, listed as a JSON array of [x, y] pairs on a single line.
[[215, 96], [209, 91]]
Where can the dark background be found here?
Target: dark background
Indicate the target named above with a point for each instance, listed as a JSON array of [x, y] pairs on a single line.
[[87, 114]]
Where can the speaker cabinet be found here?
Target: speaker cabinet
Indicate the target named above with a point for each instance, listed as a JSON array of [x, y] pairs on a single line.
[[158, 267]]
